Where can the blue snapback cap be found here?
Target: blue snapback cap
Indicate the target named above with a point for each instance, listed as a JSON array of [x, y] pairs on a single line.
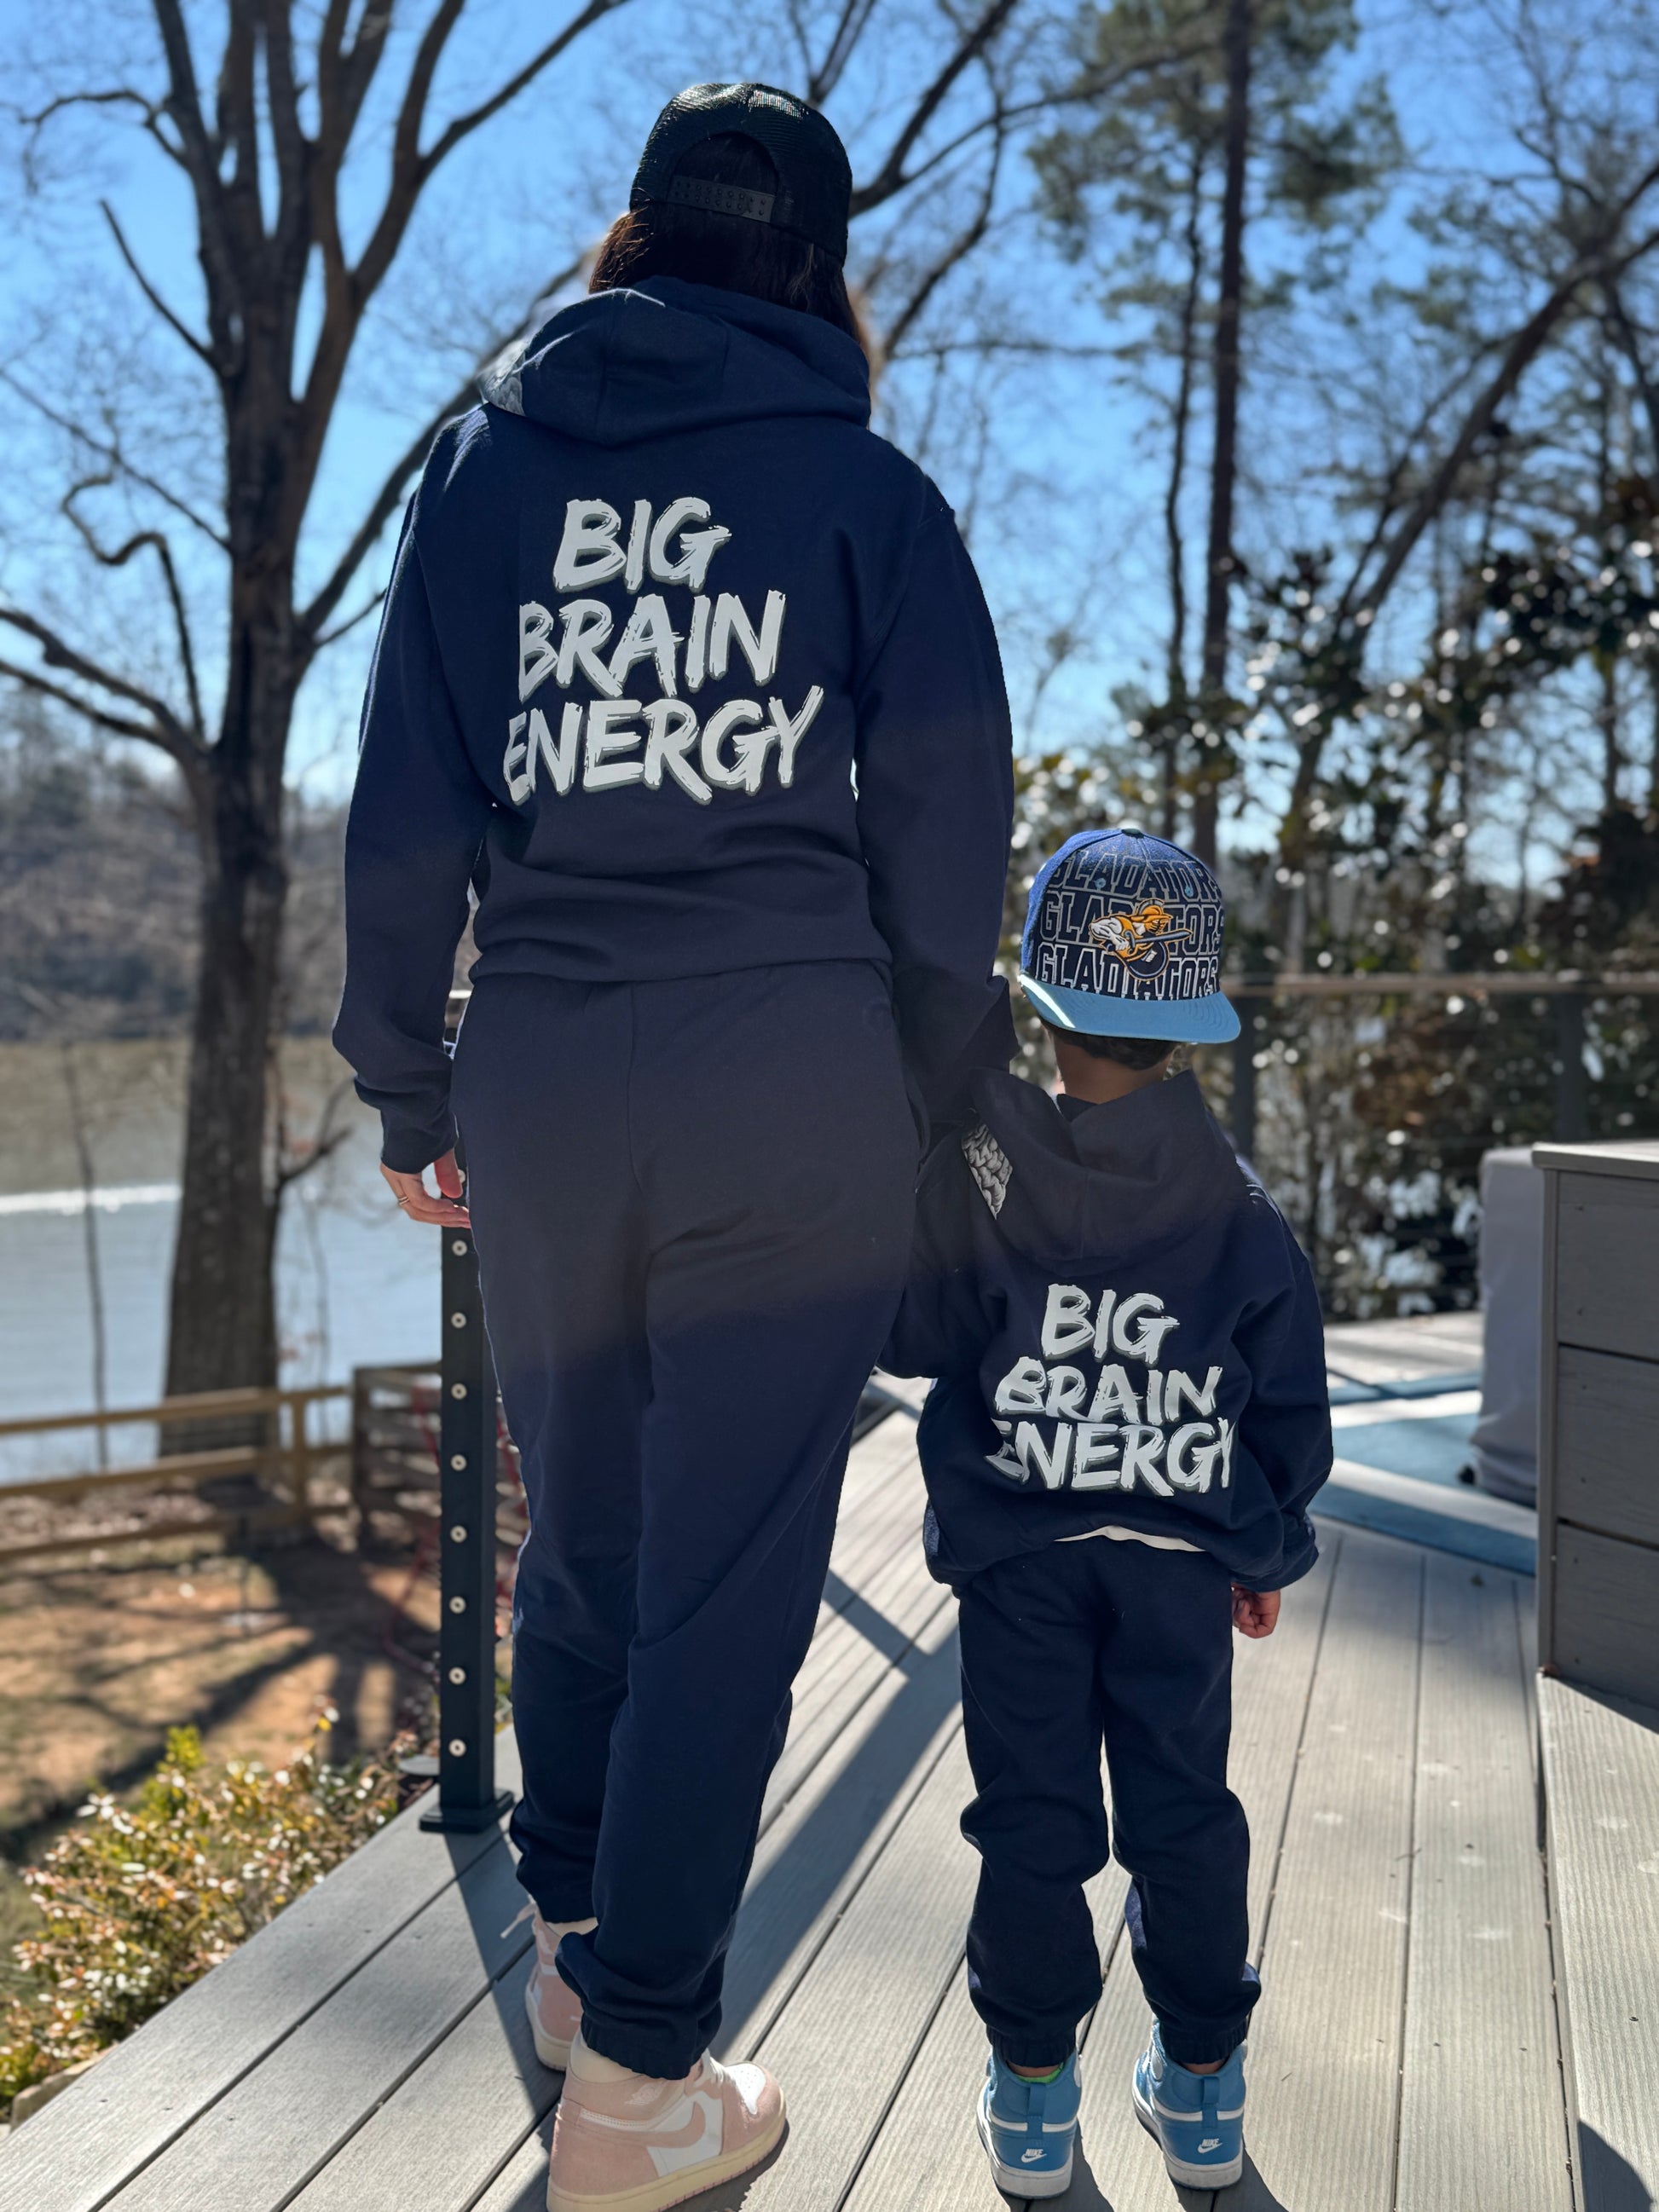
[[1123, 939]]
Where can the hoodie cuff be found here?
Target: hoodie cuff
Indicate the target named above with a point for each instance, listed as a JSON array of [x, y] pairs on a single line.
[[408, 1150]]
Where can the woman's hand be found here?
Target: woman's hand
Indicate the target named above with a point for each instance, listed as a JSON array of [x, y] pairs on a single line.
[[1255, 1613], [417, 1201]]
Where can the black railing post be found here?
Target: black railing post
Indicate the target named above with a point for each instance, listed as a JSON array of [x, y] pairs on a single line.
[[467, 1796], [1242, 1113], [1571, 1078]]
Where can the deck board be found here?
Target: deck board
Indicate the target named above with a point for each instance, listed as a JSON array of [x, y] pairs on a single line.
[[1477, 1997], [369, 2053], [1324, 2062], [1602, 1764], [280, 2125]]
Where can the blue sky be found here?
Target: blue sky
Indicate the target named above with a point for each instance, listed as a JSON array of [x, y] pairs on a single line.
[[1062, 516]]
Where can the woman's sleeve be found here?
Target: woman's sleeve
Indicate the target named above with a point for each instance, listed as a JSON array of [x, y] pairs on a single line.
[[935, 809], [417, 819]]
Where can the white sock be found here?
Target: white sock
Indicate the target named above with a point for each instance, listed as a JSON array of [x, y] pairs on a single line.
[[558, 1929], [593, 2066]]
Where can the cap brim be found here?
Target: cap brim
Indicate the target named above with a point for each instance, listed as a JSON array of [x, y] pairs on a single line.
[[1210, 1020]]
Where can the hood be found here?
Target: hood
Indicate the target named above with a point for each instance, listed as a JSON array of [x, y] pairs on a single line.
[[669, 357], [1140, 1171]]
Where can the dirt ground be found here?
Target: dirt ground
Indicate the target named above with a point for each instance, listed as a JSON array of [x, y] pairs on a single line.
[[97, 1662]]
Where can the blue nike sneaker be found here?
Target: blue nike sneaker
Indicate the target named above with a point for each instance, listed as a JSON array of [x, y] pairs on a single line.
[[1028, 2129], [1198, 2119]]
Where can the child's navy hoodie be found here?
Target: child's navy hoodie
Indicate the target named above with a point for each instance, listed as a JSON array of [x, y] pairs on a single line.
[[1126, 1336], [684, 670]]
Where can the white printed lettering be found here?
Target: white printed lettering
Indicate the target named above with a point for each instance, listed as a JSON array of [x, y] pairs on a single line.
[[1114, 1394], [1143, 1447], [536, 658], [587, 627], [670, 732], [1003, 1459], [731, 623], [1067, 1387], [1095, 1460], [588, 552], [697, 547], [561, 761], [1147, 1344], [1021, 1389], [1050, 1464], [1103, 1324], [748, 747], [696, 646], [633, 566], [1191, 1458], [607, 734], [789, 734], [518, 783], [649, 635], [1066, 1326], [1178, 1386]]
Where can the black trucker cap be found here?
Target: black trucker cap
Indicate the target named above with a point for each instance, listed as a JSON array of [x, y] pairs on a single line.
[[815, 179]]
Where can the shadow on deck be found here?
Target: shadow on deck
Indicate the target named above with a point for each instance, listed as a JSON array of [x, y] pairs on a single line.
[[369, 2053]]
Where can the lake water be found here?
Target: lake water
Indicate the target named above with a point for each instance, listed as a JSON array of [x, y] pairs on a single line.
[[356, 1284]]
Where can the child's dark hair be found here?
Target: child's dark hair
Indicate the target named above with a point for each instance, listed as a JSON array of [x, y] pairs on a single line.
[[662, 239], [1139, 1052]]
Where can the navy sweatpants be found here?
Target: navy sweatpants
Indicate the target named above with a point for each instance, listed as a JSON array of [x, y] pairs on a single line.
[[692, 1204], [1064, 1650]]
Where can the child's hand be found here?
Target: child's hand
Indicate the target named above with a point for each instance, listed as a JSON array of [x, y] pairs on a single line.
[[1255, 1613]]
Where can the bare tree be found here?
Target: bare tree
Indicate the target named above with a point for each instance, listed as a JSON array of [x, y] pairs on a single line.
[[271, 150]]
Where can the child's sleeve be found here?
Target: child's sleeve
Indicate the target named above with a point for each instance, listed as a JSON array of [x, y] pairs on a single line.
[[1286, 1424], [941, 1326]]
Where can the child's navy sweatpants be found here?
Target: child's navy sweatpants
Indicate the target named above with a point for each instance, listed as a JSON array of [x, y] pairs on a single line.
[[1062, 1649], [692, 1204]]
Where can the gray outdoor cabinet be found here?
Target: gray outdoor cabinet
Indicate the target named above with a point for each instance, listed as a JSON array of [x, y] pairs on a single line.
[[1598, 1455]]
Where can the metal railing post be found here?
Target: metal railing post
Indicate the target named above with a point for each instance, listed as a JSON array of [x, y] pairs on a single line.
[[1242, 1111], [467, 1796], [1571, 1077]]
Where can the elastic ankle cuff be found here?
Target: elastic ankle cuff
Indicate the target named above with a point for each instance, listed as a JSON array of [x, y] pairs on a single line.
[[1199, 2051], [1036, 2056]]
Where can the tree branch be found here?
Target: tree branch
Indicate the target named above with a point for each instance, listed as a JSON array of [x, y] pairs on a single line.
[[117, 725], [1523, 350], [387, 499], [118, 559], [464, 125], [168, 731], [890, 177], [956, 251], [113, 455], [197, 346]]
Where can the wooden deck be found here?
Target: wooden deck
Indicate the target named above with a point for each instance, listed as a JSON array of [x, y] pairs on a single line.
[[369, 2052]]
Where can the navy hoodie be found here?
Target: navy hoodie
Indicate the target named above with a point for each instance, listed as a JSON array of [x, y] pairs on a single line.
[[1126, 1335], [681, 670]]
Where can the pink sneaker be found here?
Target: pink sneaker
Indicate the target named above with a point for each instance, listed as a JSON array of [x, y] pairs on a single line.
[[639, 2145], [555, 2009]]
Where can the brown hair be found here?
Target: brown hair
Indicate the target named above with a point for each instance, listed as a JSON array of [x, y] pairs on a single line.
[[1139, 1053], [662, 239]]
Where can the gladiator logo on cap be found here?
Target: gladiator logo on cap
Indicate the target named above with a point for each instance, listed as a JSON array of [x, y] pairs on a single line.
[[1141, 940]]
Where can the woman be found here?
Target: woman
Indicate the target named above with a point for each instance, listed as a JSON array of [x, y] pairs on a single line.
[[689, 676]]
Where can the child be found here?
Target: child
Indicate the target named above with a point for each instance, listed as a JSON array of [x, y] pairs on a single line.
[[1128, 1347]]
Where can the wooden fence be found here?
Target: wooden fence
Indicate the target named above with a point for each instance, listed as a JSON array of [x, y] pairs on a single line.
[[289, 1459]]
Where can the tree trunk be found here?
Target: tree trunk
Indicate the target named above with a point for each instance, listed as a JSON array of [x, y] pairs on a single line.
[[222, 1332], [1224, 464], [1174, 545]]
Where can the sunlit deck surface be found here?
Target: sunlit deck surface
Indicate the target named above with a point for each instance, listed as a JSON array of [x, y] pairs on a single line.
[[369, 2053]]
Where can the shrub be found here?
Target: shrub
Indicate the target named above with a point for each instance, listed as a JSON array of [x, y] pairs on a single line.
[[139, 1900]]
